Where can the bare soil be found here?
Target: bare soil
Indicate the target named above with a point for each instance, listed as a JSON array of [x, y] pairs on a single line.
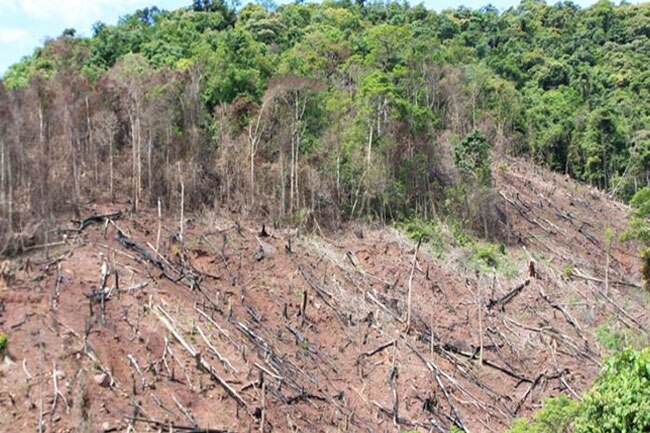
[[233, 331]]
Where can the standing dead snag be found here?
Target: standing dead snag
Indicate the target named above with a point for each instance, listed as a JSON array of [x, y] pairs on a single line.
[[256, 130], [479, 307], [159, 232], [392, 379], [180, 178], [303, 308], [410, 293], [102, 287], [263, 415], [532, 273], [41, 361]]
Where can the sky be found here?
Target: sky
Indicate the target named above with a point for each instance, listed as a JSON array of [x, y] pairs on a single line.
[[24, 24]]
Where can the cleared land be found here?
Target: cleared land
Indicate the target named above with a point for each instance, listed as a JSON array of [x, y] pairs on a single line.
[[234, 330]]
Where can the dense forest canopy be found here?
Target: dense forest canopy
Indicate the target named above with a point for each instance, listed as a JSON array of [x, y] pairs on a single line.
[[334, 110]]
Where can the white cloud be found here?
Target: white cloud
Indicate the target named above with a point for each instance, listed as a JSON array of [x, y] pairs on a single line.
[[11, 36], [75, 13], [7, 5]]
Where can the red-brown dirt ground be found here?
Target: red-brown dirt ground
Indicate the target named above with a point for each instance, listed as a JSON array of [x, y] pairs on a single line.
[[303, 331]]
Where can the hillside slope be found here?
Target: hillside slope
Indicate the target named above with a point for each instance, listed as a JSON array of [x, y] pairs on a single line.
[[238, 332]]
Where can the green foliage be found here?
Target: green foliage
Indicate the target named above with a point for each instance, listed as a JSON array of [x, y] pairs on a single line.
[[610, 338], [571, 82], [484, 256], [490, 257], [472, 156], [617, 340], [555, 417], [639, 229], [618, 402], [609, 238], [429, 231], [4, 342]]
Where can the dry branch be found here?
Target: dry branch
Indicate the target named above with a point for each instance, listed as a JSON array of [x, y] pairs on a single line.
[[57, 392], [435, 370], [185, 411], [164, 317], [375, 351], [134, 362], [216, 325], [165, 426], [214, 350], [433, 424]]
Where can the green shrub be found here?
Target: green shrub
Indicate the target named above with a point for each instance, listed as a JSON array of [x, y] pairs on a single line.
[[618, 402], [418, 228], [555, 416], [4, 341], [614, 340], [429, 231], [645, 267], [489, 257], [639, 229], [610, 339], [620, 399], [486, 254], [462, 237], [472, 157]]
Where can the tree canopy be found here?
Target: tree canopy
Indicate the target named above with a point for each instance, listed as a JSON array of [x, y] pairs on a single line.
[[393, 92]]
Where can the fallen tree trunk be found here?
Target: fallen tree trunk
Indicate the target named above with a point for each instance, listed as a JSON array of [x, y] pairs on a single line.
[[132, 245], [508, 296], [96, 219]]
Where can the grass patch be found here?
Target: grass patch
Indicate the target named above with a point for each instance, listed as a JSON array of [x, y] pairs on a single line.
[[556, 416], [615, 340], [443, 239]]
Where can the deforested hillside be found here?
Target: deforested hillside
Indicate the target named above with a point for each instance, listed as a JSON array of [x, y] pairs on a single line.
[[332, 217], [229, 325]]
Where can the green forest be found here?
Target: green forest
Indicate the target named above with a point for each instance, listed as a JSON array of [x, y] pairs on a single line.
[[336, 110]]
